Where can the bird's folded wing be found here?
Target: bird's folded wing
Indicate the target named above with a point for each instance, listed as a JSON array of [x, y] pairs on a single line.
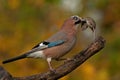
[[45, 44]]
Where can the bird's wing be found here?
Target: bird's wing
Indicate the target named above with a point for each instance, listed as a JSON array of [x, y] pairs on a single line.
[[46, 44]]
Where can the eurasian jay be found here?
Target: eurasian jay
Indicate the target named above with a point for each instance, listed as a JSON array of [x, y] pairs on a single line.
[[59, 44]]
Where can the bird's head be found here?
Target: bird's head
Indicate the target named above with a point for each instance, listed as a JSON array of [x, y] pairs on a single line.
[[72, 23], [76, 20]]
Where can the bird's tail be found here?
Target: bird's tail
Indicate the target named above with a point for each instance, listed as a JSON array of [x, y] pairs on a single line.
[[14, 59]]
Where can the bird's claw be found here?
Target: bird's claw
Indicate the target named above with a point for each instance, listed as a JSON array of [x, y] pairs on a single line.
[[52, 71]]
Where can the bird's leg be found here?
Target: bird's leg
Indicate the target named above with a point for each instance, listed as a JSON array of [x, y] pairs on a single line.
[[49, 64]]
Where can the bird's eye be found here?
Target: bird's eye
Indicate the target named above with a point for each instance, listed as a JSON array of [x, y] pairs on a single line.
[[76, 19]]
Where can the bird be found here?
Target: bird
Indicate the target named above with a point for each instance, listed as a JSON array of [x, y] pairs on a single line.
[[57, 45], [89, 22]]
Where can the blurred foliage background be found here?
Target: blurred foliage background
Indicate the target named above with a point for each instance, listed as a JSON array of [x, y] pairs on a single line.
[[24, 23]]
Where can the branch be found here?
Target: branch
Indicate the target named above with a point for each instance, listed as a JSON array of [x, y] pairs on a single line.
[[63, 69]]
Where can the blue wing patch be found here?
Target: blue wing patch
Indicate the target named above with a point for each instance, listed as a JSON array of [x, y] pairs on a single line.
[[46, 44], [56, 43]]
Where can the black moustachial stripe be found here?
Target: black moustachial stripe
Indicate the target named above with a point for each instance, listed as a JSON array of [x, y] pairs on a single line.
[[78, 22]]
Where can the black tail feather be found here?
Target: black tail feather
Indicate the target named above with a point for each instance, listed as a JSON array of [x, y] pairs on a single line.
[[14, 59]]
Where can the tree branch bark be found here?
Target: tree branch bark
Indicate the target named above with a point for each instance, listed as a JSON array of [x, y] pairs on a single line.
[[63, 69]]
